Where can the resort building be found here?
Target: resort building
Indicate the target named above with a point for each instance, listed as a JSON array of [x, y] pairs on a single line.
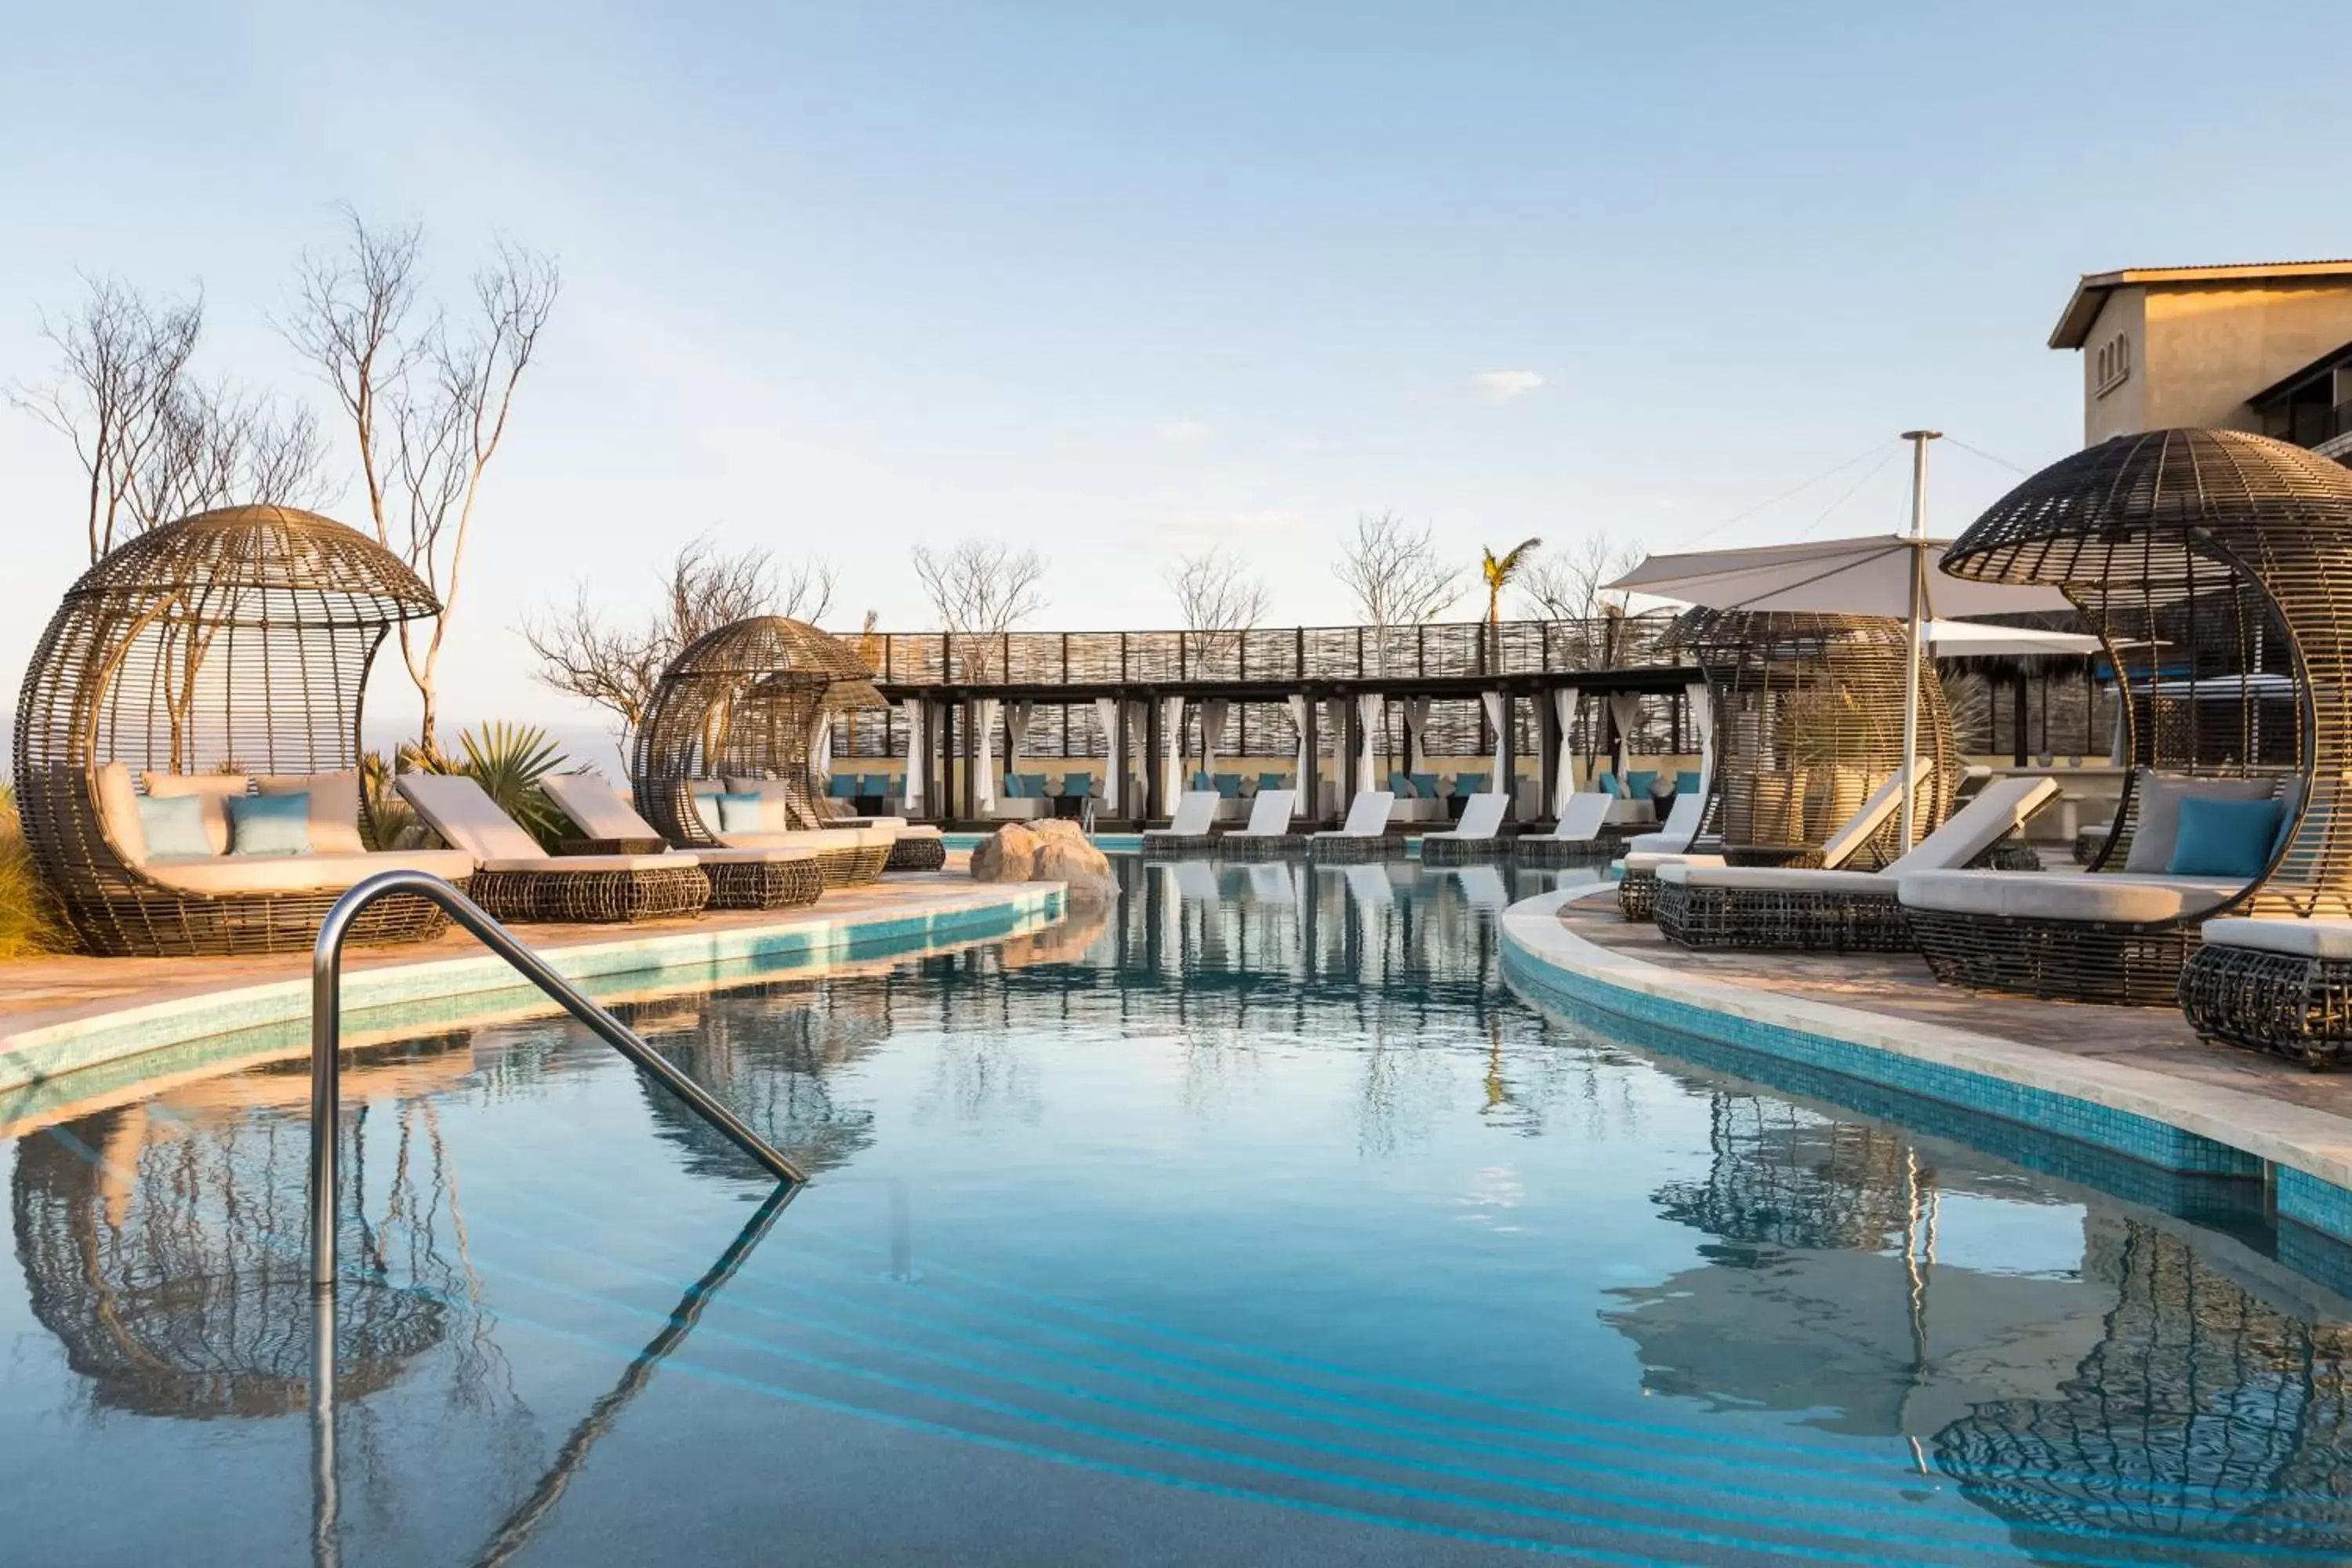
[[2266, 347]]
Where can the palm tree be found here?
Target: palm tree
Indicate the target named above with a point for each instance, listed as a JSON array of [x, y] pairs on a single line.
[[1499, 570]]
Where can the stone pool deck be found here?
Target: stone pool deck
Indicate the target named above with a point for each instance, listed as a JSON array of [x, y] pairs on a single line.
[[65, 1014]]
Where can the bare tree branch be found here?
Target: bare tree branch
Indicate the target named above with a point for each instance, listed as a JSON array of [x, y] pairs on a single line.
[[1392, 570], [427, 413], [808, 589], [1565, 586], [980, 590], [1217, 599], [616, 668]]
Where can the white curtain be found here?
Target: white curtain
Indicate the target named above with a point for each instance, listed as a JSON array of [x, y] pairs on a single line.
[[1108, 715], [983, 714], [1701, 703], [1171, 749], [1497, 712], [917, 749], [1299, 719], [1624, 713], [820, 747], [1213, 713], [1416, 724], [1368, 724], [1016, 744], [1335, 725], [1563, 704]]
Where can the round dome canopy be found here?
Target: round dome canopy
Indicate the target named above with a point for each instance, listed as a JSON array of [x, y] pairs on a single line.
[[257, 562], [769, 646], [2101, 512]]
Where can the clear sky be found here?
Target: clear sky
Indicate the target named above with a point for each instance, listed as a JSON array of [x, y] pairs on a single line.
[[1117, 282]]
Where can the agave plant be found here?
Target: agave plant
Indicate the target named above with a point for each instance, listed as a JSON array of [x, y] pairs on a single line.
[[508, 761]]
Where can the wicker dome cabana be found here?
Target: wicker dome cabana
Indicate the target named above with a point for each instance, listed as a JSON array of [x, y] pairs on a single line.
[[233, 642], [1808, 717], [2210, 563], [746, 701]]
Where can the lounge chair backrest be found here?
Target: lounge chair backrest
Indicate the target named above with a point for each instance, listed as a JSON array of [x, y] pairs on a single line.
[[2000, 808], [1848, 840], [596, 807], [454, 806], [1270, 813], [1482, 815], [1195, 810], [1581, 818], [1368, 813], [1682, 822]]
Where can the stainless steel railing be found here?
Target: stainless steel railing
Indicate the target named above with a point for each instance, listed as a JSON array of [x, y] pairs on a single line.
[[326, 1040]]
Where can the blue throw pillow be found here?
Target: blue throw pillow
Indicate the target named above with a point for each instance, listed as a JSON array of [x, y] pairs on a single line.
[[174, 825], [1229, 786], [1638, 782], [1687, 783], [841, 786], [739, 812], [1608, 786], [2224, 838], [1424, 786], [270, 823]]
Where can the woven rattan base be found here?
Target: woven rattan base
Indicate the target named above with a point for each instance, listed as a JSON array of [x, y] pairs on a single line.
[[1781, 919], [1637, 895], [2070, 961], [2087, 844], [853, 864], [1439, 851], [593, 897], [764, 884], [1178, 845], [1541, 849], [917, 852], [185, 926], [2285, 1003], [1258, 846], [2008, 854], [1343, 851]]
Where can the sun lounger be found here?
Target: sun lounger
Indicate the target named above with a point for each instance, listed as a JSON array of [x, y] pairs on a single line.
[[1637, 872], [1473, 838], [1267, 833], [1575, 838], [739, 879], [914, 846], [1364, 836], [1187, 832], [846, 857], [1843, 911], [517, 880]]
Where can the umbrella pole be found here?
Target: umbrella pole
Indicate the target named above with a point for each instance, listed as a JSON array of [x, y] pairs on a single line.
[[1919, 439]]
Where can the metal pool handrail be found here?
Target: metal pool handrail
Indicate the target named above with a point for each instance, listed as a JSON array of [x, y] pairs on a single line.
[[326, 1039]]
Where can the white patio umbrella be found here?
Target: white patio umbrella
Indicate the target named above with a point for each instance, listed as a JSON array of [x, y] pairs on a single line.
[[1885, 574]]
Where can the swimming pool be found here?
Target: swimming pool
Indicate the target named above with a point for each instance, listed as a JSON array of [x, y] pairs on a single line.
[[1252, 1218]]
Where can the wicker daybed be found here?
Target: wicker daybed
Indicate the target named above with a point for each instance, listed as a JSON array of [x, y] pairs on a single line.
[[739, 879], [224, 656], [520, 881], [2210, 563], [736, 714]]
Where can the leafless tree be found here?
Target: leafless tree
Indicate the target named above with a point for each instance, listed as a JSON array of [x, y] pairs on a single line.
[[615, 666], [219, 447], [427, 408], [1394, 572], [1595, 630], [808, 588], [121, 357], [980, 589], [1217, 599]]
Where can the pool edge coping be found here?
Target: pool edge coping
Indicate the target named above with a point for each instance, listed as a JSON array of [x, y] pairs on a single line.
[[110, 1034], [2315, 1143]]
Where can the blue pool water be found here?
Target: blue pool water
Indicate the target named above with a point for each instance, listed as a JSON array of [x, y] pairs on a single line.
[[1251, 1219]]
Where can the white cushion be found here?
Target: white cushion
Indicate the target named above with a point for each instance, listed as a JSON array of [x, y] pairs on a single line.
[[1997, 811], [810, 838], [1367, 815], [213, 789], [2330, 938], [1651, 860], [770, 856], [454, 806], [2058, 895], [299, 873], [558, 865], [118, 807], [1270, 814], [596, 807], [1481, 816], [1784, 879], [334, 807], [2159, 825]]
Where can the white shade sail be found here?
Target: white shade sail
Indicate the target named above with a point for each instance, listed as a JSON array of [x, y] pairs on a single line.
[[1977, 639], [1870, 576]]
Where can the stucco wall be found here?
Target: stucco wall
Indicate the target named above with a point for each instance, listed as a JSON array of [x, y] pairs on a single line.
[[2209, 348], [2123, 407]]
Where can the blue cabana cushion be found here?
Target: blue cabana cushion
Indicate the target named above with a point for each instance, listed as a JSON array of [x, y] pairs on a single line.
[[1400, 786], [1077, 786], [842, 786], [1686, 782], [2224, 838], [174, 825], [738, 812], [270, 823], [1638, 782], [1229, 786], [1273, 780], [1469, 784], [1610, 786], [1424, 786]]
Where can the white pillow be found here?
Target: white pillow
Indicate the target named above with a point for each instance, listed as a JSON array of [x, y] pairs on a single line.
[[334, 807], [118, 807], [2159, 824], [215, 790]]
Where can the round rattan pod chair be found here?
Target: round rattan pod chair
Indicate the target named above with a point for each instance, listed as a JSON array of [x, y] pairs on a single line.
[[2214, 565], [743, 705], [232, 645], [1808, 715]]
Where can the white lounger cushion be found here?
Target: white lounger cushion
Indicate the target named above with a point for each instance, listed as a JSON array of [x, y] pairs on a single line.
[[1368, 817], [455, 807], [1711, 872], [1481, 816], [1681, 827], [2328, 939], [1884, 802], [1973, 828], [810, 838], [596, 807], [1656, 861], [775, 854], [224, 874], [1195, 810], [1582, 817], [2056, 895], [536, 863], [1270, 814]]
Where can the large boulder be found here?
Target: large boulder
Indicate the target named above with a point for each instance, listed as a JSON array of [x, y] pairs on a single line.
[[1048, 851]]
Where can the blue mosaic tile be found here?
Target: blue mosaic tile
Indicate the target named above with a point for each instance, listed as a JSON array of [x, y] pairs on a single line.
[[2307, 1200]]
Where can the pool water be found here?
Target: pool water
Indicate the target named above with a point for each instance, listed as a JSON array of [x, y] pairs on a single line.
[[1252, 1218]]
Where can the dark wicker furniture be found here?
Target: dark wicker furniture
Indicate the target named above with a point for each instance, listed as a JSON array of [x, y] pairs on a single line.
[[2295, 1004], [2211, 564], [236, 641], [594, 898], [917, 852]]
